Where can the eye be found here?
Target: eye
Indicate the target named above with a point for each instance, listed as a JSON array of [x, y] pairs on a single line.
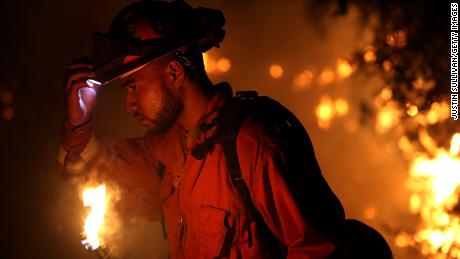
[[132, 87]]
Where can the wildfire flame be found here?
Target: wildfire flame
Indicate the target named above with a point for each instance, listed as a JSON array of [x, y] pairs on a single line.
[[97, 199], [434, 171], [435, 185]]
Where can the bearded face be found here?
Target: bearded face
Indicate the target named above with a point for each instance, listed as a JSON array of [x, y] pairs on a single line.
[[150, 99]]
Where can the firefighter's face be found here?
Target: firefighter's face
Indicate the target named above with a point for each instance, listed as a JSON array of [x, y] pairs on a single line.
[[150, 100]]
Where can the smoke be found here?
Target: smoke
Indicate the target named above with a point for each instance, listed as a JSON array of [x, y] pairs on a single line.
[[139, 239]]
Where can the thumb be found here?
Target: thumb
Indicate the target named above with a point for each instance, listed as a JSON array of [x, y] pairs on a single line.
[[87, 99]]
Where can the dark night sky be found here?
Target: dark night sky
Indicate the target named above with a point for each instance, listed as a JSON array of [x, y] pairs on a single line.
[[39, 38], [40, 214]]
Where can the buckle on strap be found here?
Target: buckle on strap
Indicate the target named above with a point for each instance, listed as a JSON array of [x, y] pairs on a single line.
[[236, 175], [238, 180]]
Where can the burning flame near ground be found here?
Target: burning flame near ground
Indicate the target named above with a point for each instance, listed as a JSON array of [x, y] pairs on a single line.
[[435, 185], [433, 172], [97, 199]]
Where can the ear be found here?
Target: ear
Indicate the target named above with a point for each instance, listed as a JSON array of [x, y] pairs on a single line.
[[176, 74]]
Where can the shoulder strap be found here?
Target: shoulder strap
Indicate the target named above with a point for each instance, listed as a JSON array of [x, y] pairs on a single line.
[[235, 112], [240, 107], [229, 146]]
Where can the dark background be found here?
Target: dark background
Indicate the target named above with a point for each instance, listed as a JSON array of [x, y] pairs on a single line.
[[41, 217]]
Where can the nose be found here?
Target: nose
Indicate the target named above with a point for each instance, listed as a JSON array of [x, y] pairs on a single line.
[[130, 103]]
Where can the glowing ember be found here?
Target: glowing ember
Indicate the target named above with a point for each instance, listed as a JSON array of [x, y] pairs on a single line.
[[412, 110], [403, 239], [302, 80], [344, 69], [386, 94], [341, 107], [328, 109], [405, 145], [95, 198], [387, 117], [422, 84], [414, 203], [397, 39], [438, 112], [213, 65], [326, 76], [276, 71], [224, 65], [455, 144], [387, 65], [369, 55], [370, 213], [324, 112]]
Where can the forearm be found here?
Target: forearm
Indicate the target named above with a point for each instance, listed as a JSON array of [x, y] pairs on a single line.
[[124, 166]]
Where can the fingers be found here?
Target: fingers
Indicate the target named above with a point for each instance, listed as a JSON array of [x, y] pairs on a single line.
[[76, 85], [80, 96], [81, 84], [80, 101], [78, 69], [77, 75]]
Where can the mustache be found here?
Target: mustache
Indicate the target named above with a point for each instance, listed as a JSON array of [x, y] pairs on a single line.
[[138, 114]]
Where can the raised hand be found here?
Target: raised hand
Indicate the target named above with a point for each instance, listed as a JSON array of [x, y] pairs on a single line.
[[80, 95]]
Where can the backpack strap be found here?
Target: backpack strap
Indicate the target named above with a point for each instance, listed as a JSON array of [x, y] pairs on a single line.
[[238, 109], [229, 146], [233, 115]]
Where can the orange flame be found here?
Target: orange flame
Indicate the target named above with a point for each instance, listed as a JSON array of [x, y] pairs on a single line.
[[435, 185], [97, 199]]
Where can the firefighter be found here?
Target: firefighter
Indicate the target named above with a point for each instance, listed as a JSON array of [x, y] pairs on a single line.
[[230, 176]]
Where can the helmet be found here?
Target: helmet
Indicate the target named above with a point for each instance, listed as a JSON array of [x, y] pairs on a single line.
[[147, 30]]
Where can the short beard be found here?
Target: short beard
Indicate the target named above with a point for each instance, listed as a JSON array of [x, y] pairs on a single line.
[[169, 112]]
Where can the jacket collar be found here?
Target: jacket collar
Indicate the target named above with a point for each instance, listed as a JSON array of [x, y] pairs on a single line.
[[206, 126]]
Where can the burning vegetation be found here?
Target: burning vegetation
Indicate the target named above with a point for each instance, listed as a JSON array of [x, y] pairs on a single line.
[[409, 54]]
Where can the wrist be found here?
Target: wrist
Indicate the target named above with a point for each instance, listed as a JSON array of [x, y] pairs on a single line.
[[76, 136], [75, 126]]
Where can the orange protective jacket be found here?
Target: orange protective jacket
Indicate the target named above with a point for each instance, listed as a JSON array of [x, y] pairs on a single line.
[[202, 210]]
